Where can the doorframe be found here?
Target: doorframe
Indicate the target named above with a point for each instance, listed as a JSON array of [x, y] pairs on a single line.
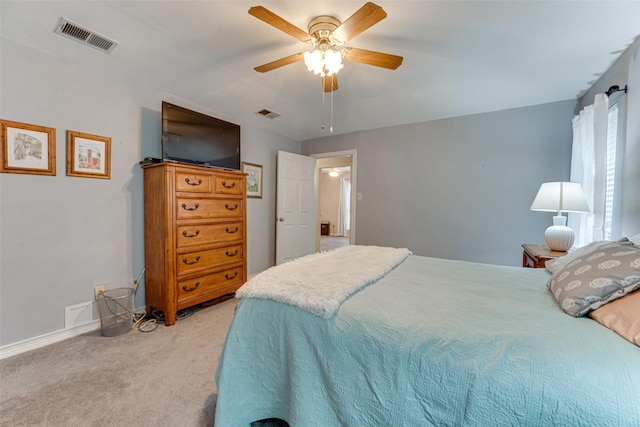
[[352, 211]]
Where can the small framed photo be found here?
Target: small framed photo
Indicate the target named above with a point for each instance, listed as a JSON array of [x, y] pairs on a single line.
[[88, 156], [254, 179], [26, 148]]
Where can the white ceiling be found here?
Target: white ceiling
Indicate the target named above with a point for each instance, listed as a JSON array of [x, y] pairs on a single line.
[[460, 57]]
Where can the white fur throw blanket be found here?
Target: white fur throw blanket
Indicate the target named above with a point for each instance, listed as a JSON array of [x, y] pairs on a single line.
[[320, 282]]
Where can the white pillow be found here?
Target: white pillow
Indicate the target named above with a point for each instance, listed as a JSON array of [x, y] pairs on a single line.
[[635, 240]]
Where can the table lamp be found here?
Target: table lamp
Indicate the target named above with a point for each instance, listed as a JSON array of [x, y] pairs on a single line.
[[560, 197]]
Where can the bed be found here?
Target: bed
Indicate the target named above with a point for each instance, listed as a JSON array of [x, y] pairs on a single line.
[[428, 342]]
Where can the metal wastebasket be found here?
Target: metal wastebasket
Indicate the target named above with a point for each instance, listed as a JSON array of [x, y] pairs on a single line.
[[116, 311]]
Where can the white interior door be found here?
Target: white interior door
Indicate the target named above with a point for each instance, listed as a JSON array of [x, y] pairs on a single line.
[[296, 222]]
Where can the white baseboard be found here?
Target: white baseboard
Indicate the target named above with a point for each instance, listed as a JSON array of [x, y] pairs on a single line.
[[51, 338], [47, 339]]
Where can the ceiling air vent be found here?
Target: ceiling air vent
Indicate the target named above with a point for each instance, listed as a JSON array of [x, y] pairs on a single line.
[[267, 113], [91, 38]]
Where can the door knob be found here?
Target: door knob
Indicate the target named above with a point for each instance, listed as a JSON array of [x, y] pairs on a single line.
[[281, 219]]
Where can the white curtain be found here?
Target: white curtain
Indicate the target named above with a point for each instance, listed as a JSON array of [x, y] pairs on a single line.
[[344, 207], [588, 156]]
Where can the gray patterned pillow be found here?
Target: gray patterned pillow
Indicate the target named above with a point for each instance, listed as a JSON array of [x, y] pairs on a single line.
[[556, 264], [597, 277]]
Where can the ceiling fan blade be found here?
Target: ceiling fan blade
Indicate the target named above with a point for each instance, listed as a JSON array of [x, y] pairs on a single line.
[[283, 25], [365, 17], [329, 84], [370, 57], [280, 63]]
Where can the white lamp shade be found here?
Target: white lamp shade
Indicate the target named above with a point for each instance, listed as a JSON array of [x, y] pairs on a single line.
[[560, 197]]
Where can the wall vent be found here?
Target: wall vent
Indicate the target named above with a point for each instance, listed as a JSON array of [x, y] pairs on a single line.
[[268, 113], [90, 38]]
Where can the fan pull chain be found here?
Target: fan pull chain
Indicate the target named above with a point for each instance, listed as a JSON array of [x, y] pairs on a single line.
[[331, 125], [322, 127]]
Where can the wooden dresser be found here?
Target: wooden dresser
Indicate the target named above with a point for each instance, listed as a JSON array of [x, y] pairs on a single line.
[[194, 235]]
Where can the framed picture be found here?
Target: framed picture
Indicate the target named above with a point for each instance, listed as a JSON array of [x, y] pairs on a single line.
[[88, 155], [254, 179], [26, 148]]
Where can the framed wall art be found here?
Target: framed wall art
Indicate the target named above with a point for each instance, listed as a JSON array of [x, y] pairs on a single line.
[[254, 179], [26, 148], [88, 156]]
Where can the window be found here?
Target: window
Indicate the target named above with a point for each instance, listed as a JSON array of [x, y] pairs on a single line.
[[593, 164], [610, 174]]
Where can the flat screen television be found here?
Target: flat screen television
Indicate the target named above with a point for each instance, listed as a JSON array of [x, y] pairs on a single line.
[[195, 138]]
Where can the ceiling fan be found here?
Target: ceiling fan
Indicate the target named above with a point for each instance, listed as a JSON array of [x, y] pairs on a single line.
[[327, 34]]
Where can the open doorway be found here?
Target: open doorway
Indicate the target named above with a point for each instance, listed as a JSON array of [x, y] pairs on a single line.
[[335, 199]]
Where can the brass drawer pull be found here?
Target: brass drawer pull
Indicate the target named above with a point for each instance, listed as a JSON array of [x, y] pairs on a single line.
[[184, 233], [196, 206], [229, 254], [184, 288], [228, 230], [232, 185], [226, 276], [226, 205], [188, 181], [187, 262]]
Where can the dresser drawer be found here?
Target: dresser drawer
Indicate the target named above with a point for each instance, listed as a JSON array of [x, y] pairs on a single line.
[[193, 182], [203, 284], [209, 208], [198, 260], [228, 185], [200, 234]]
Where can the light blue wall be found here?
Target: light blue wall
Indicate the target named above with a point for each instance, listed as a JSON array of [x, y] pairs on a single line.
[[62, 236], [458, 188]]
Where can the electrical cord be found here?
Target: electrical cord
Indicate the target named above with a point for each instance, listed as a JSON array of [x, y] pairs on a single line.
[[144, 323], [158, 315], [183, 314]]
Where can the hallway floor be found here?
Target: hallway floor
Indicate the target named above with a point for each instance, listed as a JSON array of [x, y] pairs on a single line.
[[332, 242]]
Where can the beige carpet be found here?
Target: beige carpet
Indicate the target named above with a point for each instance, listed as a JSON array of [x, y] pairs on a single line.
[[160, 378]]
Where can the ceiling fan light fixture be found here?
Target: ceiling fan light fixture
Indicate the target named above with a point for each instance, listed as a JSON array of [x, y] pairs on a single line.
[[314, 61], [323, 62], [332, 61]]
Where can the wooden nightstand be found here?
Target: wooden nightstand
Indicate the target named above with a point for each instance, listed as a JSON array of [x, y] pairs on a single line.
[[324, 228], [534, 256]]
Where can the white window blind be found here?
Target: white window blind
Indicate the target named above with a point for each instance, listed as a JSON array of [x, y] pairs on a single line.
[[610, 174]]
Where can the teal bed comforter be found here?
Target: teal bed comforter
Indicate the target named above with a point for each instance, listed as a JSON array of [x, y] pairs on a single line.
[[433, 343]]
